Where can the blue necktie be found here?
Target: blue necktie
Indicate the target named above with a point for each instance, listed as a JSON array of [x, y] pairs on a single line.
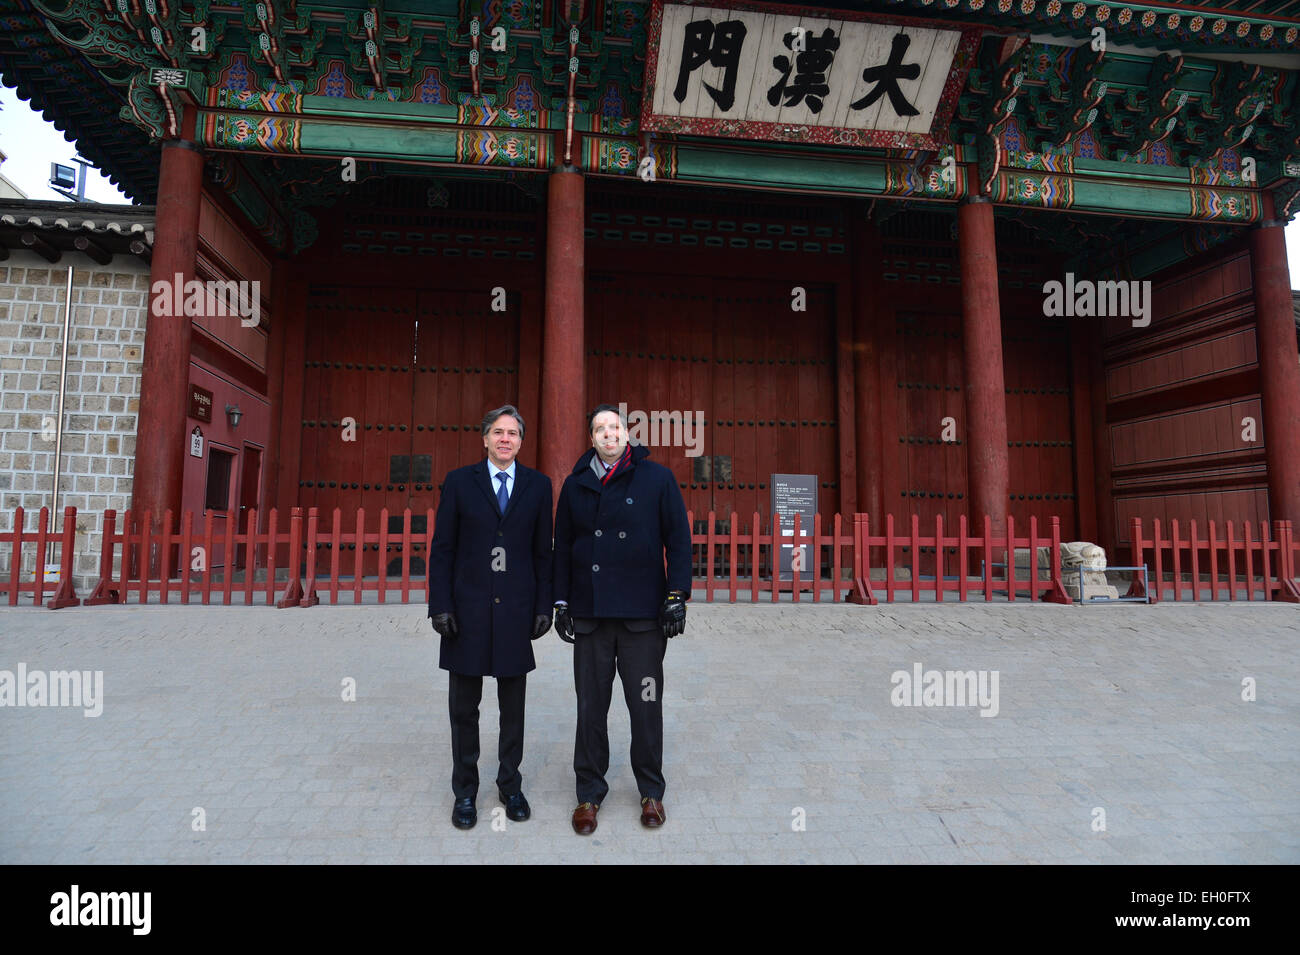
[[502, 497]]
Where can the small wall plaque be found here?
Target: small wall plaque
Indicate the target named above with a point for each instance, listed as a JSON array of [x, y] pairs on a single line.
[[200, 404]]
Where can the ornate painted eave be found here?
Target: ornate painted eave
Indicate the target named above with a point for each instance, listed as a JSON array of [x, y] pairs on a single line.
[[77, 98], [1144, 125], [1225, 26]]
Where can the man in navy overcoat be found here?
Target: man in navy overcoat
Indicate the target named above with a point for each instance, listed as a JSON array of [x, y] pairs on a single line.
[[620, 519], [489, 596]]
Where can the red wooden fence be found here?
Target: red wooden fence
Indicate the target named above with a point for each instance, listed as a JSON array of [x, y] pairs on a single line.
[[990, 548], [301, 537], [1232, 560], [845, 562], [842, 562], [37, 543], [738, 560]]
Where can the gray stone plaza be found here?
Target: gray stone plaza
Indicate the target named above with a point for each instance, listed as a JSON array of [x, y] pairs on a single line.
[[1118, 734]]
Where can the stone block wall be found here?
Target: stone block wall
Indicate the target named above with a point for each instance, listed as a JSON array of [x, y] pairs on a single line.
[[101, 401]]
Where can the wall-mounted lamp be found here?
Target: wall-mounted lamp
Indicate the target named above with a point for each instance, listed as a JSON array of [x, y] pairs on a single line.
[[234, 414]]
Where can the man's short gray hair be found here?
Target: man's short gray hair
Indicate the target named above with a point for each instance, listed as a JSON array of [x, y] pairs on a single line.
[[490, 418]]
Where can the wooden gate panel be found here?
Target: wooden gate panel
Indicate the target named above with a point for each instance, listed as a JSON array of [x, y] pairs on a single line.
[[821, 381], [1036, 368], [928, 382], [749, 380], [359, 341], [681, 373], [416, 392], [805, 417], [466, 361], [319, 320], [768, 407], [439, 398], [479, 327], [955, 454], [389, 329], [740, 359], [762, 413], [343, 394], [704, 364], [725, 368]]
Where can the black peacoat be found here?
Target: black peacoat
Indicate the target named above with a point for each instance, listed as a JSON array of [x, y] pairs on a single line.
[[495, 594], [611, 540]]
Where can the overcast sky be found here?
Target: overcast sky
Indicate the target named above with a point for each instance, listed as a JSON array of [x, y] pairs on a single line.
[[31, 144]]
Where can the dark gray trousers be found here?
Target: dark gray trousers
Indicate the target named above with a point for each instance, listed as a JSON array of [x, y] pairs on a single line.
[[636, 656]]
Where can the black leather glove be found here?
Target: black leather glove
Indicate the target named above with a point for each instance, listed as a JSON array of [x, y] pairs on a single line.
[[541, 623], [445, 624], [672, 615], [563, 623]]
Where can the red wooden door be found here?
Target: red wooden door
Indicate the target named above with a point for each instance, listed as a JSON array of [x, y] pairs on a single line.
[[1036, 368], [929, 391], [415, 372], [467, 362], [357, 407], [250, 487], [733, 354]]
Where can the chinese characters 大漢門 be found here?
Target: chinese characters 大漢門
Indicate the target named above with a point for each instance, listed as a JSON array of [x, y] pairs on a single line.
[[719, 45]]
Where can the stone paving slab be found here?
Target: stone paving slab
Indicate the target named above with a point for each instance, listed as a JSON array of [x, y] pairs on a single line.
[[774, 715]]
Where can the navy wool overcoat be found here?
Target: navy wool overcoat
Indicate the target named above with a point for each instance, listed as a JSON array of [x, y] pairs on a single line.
[[612, 539], [492, 571]]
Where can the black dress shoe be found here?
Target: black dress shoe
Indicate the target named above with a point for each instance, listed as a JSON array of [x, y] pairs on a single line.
[[516, 806], [463, 814]]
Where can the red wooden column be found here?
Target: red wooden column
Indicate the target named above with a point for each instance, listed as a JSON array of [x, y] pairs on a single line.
[[1279, 373], [561, 439], [866, 372], [289, 352], [161, 433], [986, 406], [275, 378]]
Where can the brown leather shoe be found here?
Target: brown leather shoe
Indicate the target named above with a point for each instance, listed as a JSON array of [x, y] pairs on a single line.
[[652, 813], [584, 818]]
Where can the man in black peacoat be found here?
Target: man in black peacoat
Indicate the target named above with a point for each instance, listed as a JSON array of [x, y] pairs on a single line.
[[489, 595], [620, 517]]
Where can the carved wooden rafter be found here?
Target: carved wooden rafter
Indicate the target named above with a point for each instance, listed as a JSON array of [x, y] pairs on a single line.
[[1070, 108], [1140, 118], [139, 33], [1240, 96], [1004, 79], [382, 49]]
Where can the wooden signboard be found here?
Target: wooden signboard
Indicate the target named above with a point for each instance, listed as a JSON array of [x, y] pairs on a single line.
[[757, 71], [200, 403]]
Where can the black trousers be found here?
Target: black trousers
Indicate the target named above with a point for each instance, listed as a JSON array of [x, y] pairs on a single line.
[[463, 696], [636, 657]]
